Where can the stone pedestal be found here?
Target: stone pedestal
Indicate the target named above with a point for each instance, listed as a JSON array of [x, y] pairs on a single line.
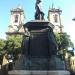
[[24, 72], [39, 49]]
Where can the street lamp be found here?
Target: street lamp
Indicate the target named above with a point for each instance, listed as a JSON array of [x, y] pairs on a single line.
[[73, 19], [71, 49]]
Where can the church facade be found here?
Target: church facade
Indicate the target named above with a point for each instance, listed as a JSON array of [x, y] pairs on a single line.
[[17, 19]]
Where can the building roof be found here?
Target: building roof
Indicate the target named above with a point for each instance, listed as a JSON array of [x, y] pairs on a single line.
[[18, 9], [14, 33], [54, 10]]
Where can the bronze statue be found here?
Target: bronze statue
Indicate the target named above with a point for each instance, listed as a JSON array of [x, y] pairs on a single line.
[[39, 15]]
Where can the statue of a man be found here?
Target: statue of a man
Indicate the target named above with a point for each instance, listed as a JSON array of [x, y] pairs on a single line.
[[39, 13]]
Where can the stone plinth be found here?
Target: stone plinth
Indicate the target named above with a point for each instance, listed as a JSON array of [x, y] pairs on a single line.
[[39, 48], [24, 72], [39, 51]]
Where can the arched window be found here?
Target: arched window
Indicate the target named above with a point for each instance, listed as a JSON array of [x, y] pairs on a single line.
[[55, 18], [16, 18]]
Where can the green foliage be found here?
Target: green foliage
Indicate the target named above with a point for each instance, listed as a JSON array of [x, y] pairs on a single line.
[[2, 44], [63, 41], [13, 43]]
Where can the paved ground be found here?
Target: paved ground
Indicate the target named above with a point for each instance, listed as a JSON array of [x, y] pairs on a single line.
[[3, 73]]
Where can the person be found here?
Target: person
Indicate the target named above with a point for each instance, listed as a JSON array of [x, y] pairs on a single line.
[[10, 65], [39, 13], [38, 6], [5, 63]]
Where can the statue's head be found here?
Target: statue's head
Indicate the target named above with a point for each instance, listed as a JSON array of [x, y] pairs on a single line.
[[38, 1]]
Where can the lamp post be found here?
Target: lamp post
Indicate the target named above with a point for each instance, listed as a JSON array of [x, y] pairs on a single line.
[[73, 19]]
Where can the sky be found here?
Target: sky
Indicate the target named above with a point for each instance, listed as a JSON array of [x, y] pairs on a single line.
[[67, 7]]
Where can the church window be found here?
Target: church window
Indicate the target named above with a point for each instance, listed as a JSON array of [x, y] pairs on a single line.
[[16, 18], [73, 62], [55, 18]]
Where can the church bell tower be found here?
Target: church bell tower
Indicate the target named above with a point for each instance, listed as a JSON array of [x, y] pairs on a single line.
[[16, 20], [54, 17]]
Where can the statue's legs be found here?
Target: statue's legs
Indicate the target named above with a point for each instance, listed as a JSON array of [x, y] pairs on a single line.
[[39, 16], [42, 14]]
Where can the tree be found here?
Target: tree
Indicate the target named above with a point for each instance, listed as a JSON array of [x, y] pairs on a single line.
[[2, 45], [63, 41], [13, 43]]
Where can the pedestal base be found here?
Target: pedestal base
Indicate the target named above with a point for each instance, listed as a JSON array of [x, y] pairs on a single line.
[[24, 72]]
